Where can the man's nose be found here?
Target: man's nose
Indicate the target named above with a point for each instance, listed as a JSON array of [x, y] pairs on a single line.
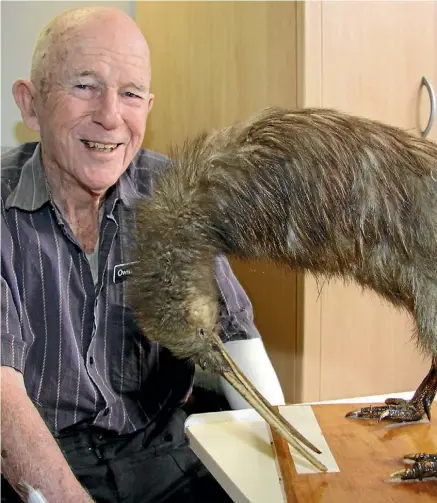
[[107, 112]]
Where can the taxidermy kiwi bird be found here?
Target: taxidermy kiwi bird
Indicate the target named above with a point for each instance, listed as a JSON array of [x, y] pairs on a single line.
[[316, 190]]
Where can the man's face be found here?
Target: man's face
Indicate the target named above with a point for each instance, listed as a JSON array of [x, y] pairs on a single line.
[[93, 119]]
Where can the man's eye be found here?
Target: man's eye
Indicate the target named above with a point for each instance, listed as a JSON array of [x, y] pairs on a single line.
[[132, 95], [83, 86]]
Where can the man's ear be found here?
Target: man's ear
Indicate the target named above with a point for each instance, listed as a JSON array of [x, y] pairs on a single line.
[[150, 102], [24, 94]]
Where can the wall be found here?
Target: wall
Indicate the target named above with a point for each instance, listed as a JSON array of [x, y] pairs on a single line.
[[21, 22]]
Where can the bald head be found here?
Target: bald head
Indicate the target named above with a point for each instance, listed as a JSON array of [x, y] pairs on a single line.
[[96, 21]]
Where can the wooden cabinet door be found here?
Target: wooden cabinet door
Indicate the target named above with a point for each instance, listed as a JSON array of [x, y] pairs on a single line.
[[214, 63], [373, 57]]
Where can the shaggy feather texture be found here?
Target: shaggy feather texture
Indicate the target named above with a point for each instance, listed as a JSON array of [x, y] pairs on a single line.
[[314, 189]]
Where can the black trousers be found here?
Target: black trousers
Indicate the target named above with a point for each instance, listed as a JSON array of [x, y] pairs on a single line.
[[155, 465]]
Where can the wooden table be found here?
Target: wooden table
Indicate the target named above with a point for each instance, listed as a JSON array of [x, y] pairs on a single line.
[[366, 453]]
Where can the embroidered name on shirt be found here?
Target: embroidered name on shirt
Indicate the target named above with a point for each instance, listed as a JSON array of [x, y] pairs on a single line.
[[122, 271]]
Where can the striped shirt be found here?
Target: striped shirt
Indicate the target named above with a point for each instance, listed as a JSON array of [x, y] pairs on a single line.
[[75, 340]]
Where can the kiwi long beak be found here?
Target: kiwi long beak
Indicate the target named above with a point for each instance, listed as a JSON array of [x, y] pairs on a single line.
[[276, 421]]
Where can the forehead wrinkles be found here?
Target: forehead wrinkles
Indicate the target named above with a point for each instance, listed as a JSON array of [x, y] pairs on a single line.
[[81, 55]]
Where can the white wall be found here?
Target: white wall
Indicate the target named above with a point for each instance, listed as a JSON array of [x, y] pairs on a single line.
[[21, 22]]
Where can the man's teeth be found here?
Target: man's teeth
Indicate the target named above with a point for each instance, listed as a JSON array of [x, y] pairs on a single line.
[[107, 147]]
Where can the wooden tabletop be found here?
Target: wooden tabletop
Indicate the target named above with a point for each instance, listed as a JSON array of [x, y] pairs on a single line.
[[367, 452]]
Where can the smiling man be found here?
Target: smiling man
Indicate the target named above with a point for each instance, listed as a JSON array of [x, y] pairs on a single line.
[[91, 410], [89, 98]]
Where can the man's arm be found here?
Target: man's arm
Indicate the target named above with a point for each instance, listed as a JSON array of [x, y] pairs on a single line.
[[29, 451], [243, 341], [252, 359]]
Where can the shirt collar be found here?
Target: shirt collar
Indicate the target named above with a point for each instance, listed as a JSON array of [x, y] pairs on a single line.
[[32, 190], [127, 186]]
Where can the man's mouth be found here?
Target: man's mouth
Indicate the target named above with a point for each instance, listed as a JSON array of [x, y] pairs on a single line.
[[103, 147]]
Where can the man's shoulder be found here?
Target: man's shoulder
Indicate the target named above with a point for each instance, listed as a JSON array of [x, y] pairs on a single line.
[[145, 167], [147, 161], [12, 162]]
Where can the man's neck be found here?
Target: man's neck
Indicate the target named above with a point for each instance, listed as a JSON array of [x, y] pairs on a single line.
[[79, 206]]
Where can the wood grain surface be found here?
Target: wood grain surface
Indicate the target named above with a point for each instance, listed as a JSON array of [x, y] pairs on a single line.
[[367, 452]]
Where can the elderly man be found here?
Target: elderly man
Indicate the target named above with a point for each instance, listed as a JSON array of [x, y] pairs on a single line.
[[91, 411]]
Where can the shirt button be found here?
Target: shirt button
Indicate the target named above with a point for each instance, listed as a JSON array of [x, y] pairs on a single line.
[[106, 412], [91, 360]]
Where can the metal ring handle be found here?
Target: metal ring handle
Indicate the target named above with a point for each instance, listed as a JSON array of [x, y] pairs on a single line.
[[430, 90]]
